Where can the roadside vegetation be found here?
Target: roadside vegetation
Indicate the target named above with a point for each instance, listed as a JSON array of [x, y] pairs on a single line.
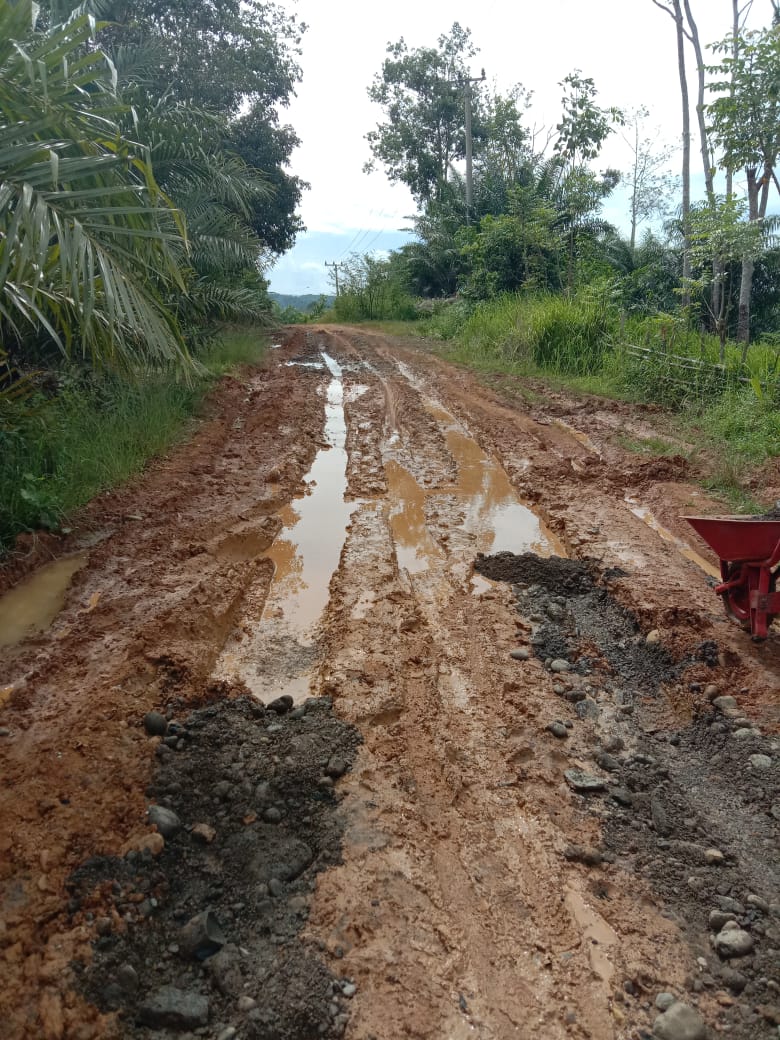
[[143, 191], [515, 270]]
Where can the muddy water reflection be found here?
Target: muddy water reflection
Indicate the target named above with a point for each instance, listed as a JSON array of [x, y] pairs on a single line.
[[31, 606], [484, 505], [281, 654]]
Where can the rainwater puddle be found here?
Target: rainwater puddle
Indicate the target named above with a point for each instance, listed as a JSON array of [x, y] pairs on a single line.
[[31, 607], [280, 655], [596, 930], [644, 514], [579, 436], [490, 512]]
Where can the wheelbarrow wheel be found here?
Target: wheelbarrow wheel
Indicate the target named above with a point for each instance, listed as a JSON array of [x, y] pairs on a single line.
[[736, 602]]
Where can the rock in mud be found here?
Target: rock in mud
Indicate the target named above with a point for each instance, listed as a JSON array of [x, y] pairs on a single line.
[[714, 857], [165, 820], [204, 832], [336, 767], [724, 704], [584, 855], [733, 941], [679, 1022], [173, 1008], [281, 705], [587, 709], [155, 724], [582, 782], [760, 763], [560, 665], [558, 730], [664, 1001], [202, 936], [718, 920]]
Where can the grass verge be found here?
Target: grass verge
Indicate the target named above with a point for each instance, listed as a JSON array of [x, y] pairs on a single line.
[[96, 433]]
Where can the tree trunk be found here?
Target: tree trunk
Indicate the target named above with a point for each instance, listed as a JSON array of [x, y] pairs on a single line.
[[686, 162], [716, 289], [748, 264]]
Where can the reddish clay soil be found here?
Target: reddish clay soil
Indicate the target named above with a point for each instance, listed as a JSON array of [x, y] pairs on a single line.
[[415, 853]]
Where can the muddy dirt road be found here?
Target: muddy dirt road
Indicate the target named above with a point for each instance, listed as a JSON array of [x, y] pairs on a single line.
[[391, 705]]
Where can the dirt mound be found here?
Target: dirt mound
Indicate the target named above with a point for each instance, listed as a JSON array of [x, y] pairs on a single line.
[[259, 819]]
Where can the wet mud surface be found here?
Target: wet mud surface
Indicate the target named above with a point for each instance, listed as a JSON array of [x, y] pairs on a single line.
[[688, 810], [555, 801]]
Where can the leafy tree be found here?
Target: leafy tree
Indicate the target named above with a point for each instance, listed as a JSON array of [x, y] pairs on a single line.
[[266, 146], [214, 54], [650, 185], [89, 246], [424, 130], [584, 127], [745, 123], [720, 236]]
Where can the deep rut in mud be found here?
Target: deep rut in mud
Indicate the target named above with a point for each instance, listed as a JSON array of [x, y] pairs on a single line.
[[519, 801]]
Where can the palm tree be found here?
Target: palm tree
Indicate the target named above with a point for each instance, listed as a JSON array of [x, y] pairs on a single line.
[[89, 244]]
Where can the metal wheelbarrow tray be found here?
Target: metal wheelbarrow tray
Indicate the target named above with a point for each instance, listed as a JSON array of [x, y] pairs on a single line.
[[749, 552]]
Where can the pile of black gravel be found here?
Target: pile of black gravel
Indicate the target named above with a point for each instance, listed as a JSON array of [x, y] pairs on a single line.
[[255, 819]]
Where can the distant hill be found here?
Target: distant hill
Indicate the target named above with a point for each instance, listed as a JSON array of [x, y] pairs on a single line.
[[300, 303]]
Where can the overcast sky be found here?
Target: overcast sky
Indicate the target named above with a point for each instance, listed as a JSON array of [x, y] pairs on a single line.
[[627, 46]]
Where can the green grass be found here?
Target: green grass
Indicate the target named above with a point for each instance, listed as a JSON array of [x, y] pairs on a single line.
[[647, 445], [96, 433]]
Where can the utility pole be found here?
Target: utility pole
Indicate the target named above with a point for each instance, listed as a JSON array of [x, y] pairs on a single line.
[[466, 84], [336, 265]]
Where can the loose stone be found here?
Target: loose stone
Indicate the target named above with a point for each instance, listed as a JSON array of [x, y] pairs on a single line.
[[724, 704], [664, 1001], [582, 782], [281, 705], [336, 767], [204, 832], [582, 854], [718, 919], [155, 724], [653, 637], [560, 665], [679, 1022], [713, 857], [760, 763], [520, 655], [172, 1008], [733, 941], [558, 730], [272, 814], [165, 820], [587, 709]]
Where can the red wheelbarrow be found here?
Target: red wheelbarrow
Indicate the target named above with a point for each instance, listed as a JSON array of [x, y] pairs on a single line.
[[749, 552]]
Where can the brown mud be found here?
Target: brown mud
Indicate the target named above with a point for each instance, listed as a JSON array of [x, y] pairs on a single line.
[[317, 537]]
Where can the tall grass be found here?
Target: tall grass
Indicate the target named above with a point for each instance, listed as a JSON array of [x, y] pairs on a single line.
[[95, 433], [556, 333]]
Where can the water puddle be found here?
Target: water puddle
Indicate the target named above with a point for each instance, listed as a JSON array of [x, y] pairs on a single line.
[[643, 513], [486, 507], [599, 934], [280, 655], [31, 606], [578, 435]]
